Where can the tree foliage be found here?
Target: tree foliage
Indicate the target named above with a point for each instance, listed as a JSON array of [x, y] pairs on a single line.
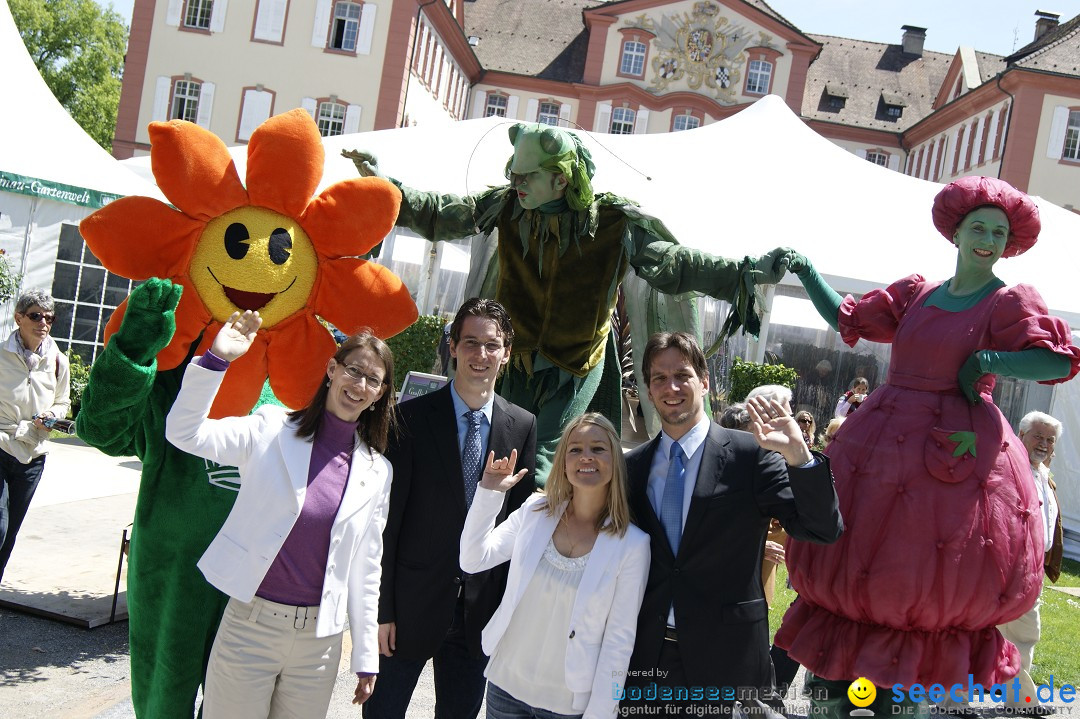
[[78, 48], [9, 279], [745, 376], [416, 347]]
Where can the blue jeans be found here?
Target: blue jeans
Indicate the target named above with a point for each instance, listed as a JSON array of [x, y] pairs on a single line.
[[459, 679], [18, 482], [501, 705]]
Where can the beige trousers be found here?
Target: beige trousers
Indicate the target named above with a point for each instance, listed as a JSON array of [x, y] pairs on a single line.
[[267, 662], [1024, 633]]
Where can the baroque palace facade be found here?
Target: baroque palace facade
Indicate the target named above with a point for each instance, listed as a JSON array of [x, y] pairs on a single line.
[[626, 66]]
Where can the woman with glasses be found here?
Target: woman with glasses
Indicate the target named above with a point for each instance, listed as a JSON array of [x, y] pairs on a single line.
[[806, 423], [34, 390], [302, 545]]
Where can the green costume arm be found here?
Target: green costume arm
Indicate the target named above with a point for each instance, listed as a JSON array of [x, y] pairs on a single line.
[[675, 269], [1038, 363], [122, 378], [438, 217], [826, 300]]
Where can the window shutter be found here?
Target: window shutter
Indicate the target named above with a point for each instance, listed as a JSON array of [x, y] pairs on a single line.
[[1056, 144], [367, 29], [564, 115], [603, 118], [976, 142], [172, 14], [861, 153], [270, 23], [256, 111], [217, 15], [532, 109], [992, 122], [641, 122], [894, 162], [206, 105], [161, 99], [511, 107], [352, 118], [321, 30], [478, 103], [308, 105]]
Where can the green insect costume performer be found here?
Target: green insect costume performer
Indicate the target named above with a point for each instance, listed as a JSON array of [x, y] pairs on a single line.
[[561, 254], [268, 247]]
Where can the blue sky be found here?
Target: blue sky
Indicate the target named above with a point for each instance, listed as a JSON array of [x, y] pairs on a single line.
[[997, 26]]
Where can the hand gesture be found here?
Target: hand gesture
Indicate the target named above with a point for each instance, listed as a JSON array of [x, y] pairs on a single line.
[[149, 320], [499, 473], [367, 164], [236, 335], [775, 429], [774, 552]]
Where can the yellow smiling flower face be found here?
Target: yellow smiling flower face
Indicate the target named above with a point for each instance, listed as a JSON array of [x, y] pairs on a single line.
[[253, 258]]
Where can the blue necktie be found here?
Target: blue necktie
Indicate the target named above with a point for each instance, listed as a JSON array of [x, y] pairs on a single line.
[[471, 455], [672, 503]]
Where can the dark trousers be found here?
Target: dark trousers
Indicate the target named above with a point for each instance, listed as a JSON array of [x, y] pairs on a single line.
[[19, 482], [459, 679]]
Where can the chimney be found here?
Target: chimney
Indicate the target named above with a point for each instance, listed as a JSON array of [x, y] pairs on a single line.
[[1045, 22], [913, 39]]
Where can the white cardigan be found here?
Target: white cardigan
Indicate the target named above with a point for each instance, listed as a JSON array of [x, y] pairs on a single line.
[[273, 463], [603, 622], [25, 392]]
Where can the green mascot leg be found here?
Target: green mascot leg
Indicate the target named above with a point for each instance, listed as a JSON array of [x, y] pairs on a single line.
[[556, 397]]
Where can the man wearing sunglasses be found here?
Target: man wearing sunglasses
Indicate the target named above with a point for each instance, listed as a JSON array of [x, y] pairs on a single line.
[[34, 386]]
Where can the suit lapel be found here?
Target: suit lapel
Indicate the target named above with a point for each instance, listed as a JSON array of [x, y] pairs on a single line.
[[296, 454], [365, 477], [442, 427], [713, 458], [603, 552]]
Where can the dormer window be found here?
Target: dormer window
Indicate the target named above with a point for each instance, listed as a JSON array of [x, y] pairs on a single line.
[[891, 106], [835, 96]]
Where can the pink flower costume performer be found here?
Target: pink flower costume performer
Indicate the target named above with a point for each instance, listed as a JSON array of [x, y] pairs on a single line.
[[942, 538]]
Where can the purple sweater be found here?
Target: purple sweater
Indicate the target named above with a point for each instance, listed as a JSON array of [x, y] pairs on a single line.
[[296, 576]]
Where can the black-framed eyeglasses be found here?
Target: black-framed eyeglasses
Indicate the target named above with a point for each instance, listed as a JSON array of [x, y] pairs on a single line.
[[804, 420], [49, 317]]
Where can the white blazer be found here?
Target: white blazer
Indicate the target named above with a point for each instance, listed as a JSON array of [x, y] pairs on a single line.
[[273, 463], [603, 622]]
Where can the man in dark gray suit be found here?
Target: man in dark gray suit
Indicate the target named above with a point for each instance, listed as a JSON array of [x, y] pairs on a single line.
[[429, 608], [705, 495]]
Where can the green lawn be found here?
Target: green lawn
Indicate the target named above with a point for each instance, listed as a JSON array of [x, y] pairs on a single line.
[[1058, 652]]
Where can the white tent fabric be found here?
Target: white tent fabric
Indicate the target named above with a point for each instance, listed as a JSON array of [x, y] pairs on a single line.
[[51, 171], [1066, 464]]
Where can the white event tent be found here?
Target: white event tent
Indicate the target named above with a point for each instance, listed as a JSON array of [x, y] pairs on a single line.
[[51, 172]]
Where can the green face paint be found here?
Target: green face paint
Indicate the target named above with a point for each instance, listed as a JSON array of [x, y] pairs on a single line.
[[980, 239], [535, 186], [548, 164]]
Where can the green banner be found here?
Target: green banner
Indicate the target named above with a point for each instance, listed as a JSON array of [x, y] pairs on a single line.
[[10, 182]]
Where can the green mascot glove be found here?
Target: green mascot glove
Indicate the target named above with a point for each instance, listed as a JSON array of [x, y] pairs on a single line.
[[1038, 363], [826, 300], [149, 320]]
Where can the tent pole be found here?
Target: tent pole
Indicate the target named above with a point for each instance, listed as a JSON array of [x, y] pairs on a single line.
[[25, 261]]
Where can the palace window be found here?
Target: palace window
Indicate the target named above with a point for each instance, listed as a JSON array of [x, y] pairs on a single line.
[[758, 75], [197, 14], [685, 122], [548, 114], [633, 58], [346, 27], [331, 119], [622, 121], [496, 106], [878, 158], [185, 100], [1072, 137]]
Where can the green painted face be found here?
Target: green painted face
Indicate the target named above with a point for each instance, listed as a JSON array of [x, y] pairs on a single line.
[[534, 186], [981, 238]]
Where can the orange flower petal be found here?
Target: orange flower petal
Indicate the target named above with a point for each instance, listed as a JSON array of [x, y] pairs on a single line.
[[244, 379], [191, 318], [352, 293], [194, 170], [296, 359], [139, 237], [285, 162], [349, 218]]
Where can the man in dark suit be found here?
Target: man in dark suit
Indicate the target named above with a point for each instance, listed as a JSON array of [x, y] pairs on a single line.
[[705, 495], [429, 608]]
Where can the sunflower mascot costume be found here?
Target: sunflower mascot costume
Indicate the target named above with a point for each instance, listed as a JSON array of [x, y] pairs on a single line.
[[268, 246]]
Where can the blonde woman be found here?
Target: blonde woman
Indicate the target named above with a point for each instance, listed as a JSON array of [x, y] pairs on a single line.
[[565, 628]]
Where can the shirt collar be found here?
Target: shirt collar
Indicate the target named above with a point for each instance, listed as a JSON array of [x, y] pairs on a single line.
[[460, 408], [690, 442]]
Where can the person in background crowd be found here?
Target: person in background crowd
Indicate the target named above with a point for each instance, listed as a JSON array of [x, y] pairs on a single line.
[[35, 388], [807, 426], [850, 400]]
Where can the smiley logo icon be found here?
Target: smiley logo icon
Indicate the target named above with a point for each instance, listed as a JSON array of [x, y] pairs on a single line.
[[862, 692]]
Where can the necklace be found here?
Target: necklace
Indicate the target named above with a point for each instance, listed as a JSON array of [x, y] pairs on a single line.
[[568, 533]]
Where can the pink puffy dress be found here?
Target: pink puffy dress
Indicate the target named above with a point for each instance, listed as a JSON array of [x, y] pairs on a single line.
[[937, 549]]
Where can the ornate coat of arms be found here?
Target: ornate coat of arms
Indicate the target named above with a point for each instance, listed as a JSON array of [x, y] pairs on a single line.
[[702, 47]]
